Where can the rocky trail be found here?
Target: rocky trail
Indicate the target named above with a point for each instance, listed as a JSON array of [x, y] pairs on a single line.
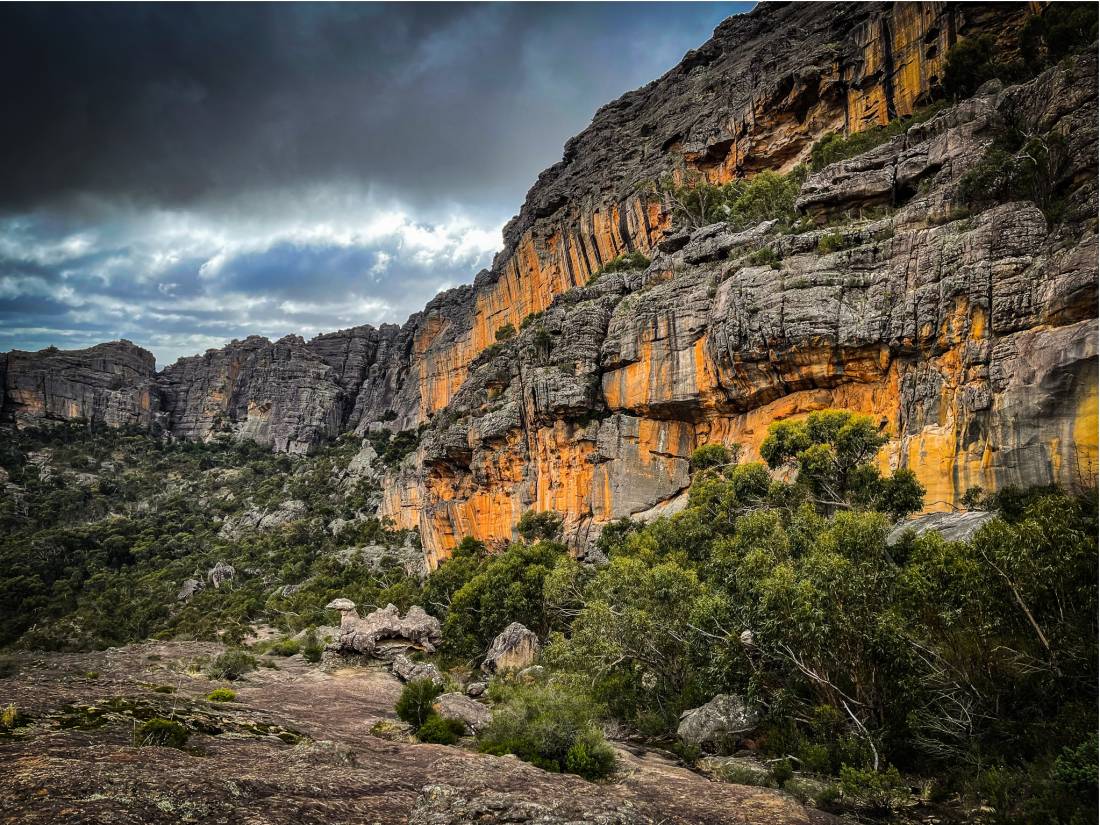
[[296, 747]]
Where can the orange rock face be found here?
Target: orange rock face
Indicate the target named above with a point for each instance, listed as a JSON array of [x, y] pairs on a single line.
[[972, 342]]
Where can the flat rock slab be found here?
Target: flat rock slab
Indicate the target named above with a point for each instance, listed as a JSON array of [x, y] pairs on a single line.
[[335, 771]]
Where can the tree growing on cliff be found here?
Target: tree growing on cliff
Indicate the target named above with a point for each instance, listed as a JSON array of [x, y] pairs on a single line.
[[832, 452], [540, 525], [696, 202]]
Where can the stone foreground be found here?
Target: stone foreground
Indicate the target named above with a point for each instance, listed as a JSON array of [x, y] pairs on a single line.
[[333, 771]]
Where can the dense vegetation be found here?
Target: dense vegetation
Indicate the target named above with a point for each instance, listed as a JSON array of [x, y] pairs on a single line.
[[1061, 30], [99, 528], [970, 664], [548, 724], [696, 202]]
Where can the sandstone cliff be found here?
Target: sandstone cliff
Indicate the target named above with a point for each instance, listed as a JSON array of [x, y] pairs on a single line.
[[109, 383], [971, 338]]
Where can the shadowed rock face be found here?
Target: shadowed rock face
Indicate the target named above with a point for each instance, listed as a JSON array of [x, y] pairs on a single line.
[[110, 384], [971, 339]]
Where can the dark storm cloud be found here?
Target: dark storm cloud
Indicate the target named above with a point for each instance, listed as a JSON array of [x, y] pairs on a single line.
[[175, 103], [185, 174]]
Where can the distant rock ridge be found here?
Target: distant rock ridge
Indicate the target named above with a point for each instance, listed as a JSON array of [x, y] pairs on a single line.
[[971, 338]]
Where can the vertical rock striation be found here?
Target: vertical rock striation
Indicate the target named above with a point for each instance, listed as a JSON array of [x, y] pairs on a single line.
[[110, 384], [972, 338]]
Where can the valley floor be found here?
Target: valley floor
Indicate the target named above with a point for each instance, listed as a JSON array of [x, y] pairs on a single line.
[[297, 747]]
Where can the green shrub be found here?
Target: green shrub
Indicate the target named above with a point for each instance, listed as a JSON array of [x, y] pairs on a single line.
[[506, 333], [766, 196], [764, 257], [831, 242], [415, 703], [221, 695], [710, 455], [285, 647], [503, 588], [550, 726], [626, 262], [815, 758], [970, 63], [166, 733], [878, 791], [782, 771], [9, 717], [312, 647], [539, 526], [837, 146], [440, 731], [542, 338], [392, 448], [1019, 168], [232, 665]]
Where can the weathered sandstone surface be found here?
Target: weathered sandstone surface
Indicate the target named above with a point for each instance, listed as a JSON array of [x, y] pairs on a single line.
[[296, 748], [971, 338], [111, 383]]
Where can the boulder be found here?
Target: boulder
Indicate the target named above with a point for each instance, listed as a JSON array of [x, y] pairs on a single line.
[[476, 689], [407, 670], [362, 635], [260, 520], [952, 526], [514, 649], [189, 588], [473, 715], [220, 573], [718, 724]]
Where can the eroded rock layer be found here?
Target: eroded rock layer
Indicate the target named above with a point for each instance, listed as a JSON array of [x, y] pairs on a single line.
[[970, 337], [111, 383]]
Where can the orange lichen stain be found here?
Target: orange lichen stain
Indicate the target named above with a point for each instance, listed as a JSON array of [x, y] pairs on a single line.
[[979, 320], [1080, 471], [662, 375], [539, 269], [563, 470]]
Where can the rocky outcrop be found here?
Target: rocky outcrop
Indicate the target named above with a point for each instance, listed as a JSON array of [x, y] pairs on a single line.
[[220, 574], [110, 384], [970, 337], [473, 715], [718, 724], [256, 519], [280, 394], [344, 768], [363, 635], [952, 526], [189, 588], [514, 649], [407, 670]]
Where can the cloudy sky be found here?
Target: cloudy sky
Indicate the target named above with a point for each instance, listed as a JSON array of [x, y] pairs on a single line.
[[185, 175]]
